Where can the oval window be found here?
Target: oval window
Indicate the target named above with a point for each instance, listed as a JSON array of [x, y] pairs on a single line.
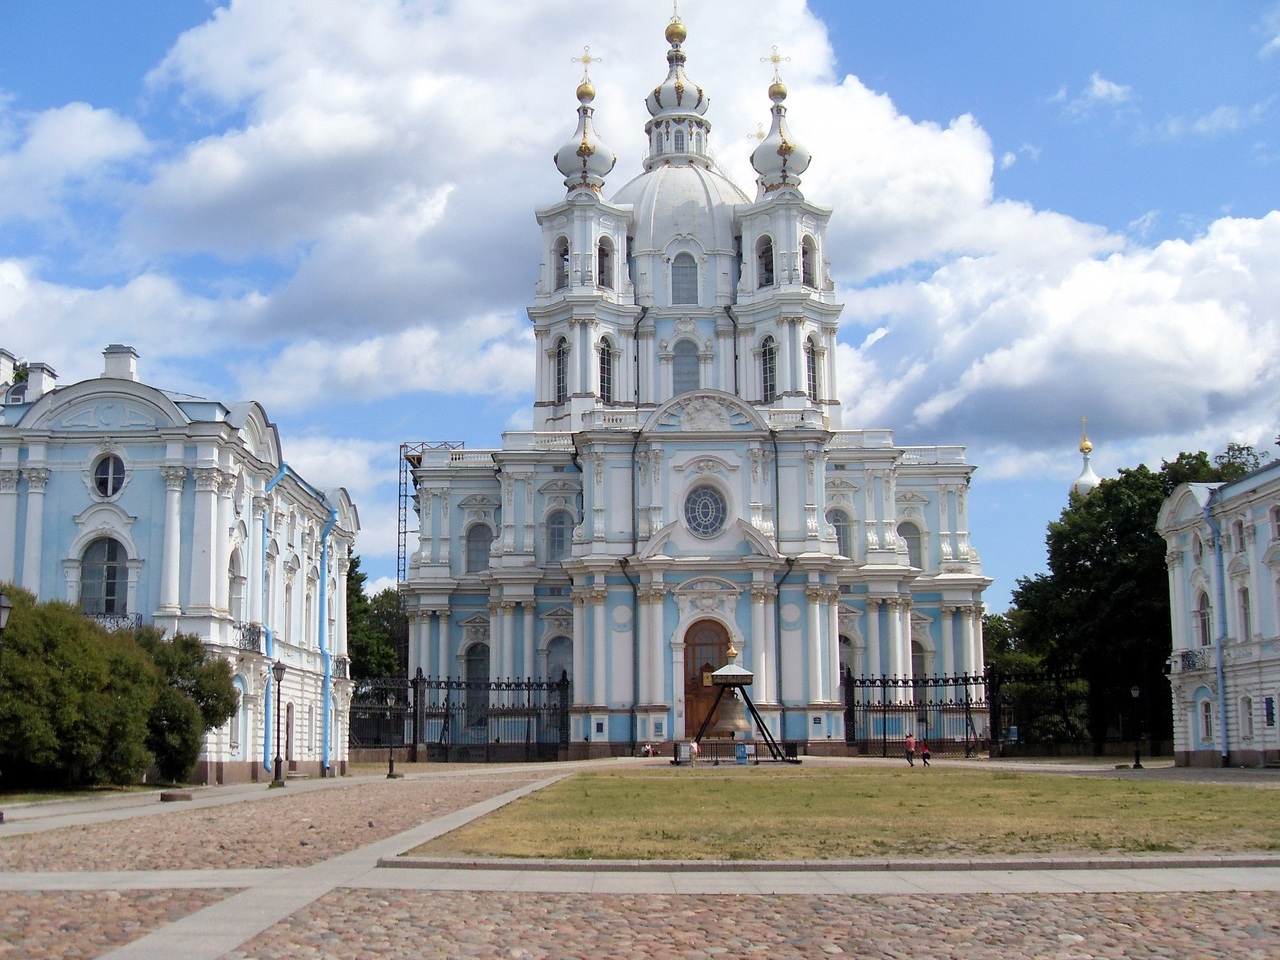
[[705, 511]]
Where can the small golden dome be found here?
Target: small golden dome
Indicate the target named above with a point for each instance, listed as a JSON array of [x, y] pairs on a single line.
[[1086, 446], [777, 91], [586, 92], [676, 32]]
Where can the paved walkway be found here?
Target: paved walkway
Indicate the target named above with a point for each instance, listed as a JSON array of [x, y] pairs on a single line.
[[131, 878]]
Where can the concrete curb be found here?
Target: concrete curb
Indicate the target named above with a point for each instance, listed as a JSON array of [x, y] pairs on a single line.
[[830, 866]]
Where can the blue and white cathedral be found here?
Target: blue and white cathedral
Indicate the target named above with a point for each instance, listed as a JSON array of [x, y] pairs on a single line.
[[687, 485]]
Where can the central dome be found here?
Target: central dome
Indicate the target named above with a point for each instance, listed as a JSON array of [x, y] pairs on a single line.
[[682, 199]]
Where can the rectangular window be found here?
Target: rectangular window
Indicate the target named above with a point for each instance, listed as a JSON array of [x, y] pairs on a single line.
[[1206, 721]]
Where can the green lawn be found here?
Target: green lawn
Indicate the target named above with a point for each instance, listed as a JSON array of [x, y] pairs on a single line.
[[772, 813]]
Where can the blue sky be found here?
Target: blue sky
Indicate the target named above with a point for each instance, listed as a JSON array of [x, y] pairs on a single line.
[[1042, 212]]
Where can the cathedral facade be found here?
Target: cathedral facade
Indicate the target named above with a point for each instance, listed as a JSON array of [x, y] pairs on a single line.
[[687, 485]]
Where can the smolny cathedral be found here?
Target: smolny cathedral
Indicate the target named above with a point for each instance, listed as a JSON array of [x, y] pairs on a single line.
[[688, 485]]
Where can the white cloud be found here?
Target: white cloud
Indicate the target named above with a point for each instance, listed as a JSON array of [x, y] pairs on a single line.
[[1219, 121], [1098, 92], [1008, 160], [46, 155]]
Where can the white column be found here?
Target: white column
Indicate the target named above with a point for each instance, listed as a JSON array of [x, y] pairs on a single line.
[[833, 645], [599, 691], [340, 625], [495, 639], [785, 382], [204, 551], [813, 594], [580, 684], [170, 571], [443, 643], [948, 641], [979, 657], [508, 639], [8, 524], [874, 667], [221, 573], [530, 666], [904, 612], [762, 646], [37, 478], [658, 644], [769, 694], [644, 637], [677, 687], [255, 571], [967, 649]]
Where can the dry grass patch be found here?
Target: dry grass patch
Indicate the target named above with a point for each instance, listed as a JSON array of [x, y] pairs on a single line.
[[770, 813]]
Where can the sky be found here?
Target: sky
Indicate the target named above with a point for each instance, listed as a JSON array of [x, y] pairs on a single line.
[[1042, 212]]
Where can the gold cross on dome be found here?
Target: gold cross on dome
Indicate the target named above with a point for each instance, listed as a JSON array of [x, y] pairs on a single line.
[[775, 58], [759, 134], [675, 11], [586, 60]]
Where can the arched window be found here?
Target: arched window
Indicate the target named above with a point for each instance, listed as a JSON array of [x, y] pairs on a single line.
[[562, 370], [604, 264], [679, 141], [477, 677], [108, 475], [1275, 523], [1246, 718], [235, 588], [911, 533], [684, 279], [561, 253], [559, 529], [764, 262], [811, 368], [844, 531], [606, 371], [697, 142], [104, 578], [479, 540], [1246, 625], [1204, 621], [919, 670], [808, 262], [1206, 721], [769, 370], [684, 368], [1237, 536], [559, 659]]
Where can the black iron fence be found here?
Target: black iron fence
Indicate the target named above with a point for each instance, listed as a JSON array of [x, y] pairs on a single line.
[[965, 715], [947, 713], [457, 720]]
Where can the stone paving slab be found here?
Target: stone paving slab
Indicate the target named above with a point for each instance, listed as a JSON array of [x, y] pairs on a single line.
[[349, 923]]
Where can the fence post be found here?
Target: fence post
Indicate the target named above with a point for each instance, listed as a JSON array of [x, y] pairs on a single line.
[[563, 684], [992, 688], [417, 683], [884, 717]]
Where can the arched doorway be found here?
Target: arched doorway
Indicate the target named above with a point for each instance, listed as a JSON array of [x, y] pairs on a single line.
[[706, 646]]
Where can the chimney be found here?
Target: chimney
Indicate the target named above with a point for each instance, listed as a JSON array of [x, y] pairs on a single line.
[[7, 363], [122, 362], [40, 380]]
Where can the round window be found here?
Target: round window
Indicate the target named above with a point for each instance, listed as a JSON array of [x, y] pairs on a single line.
[[108, 475], [705, 511]]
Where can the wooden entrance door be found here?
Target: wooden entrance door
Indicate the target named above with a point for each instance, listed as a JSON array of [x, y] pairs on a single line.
[[706, 649]]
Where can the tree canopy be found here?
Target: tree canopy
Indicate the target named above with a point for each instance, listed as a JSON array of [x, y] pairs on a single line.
[[1102, 610], [376, 628]]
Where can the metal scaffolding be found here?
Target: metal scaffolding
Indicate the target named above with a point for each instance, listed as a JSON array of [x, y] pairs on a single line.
[[410, 460]]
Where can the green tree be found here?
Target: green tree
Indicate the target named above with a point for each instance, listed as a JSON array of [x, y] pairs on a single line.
[[371, 626], [196, 695], [74, 699], [1102, 610]]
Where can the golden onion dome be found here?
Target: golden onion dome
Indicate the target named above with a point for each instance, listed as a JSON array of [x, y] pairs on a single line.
[[1086, 446], [586, 92], [777, 91], [676, 33]]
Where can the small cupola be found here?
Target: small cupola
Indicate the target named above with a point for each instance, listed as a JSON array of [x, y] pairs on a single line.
[[586, 159], [1088, 481], [678, 130], [780, 158]]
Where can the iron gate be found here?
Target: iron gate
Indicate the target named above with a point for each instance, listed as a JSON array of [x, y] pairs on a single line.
[[459, 720], [948, 713]]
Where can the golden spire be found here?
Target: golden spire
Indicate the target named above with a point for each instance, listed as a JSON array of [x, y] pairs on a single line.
[[676, 31], [1085, 445], [586, 90], [777, 89]]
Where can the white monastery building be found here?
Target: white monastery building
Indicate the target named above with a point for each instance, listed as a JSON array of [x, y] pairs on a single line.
[[1224, 599], [687, 484], [143, 506]]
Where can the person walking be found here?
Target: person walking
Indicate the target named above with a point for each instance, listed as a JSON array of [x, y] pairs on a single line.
[[911, 749], [924, 753]]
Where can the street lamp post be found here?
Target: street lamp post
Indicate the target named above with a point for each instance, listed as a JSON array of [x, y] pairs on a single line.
[[6, 608], [1135, 691], [391, 740], [277, 670]]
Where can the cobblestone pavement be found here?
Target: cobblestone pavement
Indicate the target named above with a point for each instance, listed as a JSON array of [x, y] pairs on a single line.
[[82, 924], [385, 924], [278, 830]]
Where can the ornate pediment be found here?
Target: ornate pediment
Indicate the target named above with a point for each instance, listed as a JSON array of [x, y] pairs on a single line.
[[113, 414], [912, 498], [706, 411], [556, 621]]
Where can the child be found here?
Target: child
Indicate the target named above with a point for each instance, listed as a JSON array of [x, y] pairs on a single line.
[[924, 752]]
